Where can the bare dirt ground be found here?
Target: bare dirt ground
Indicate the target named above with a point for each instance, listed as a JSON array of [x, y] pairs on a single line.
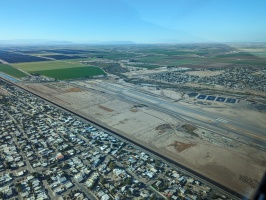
[[164, 92], [233, 167], [4, 92], [74, 89], [180, 146], [163, 128], [106, 109], [138, 71]]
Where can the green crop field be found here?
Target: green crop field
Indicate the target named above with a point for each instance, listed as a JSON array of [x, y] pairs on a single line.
[[173, 60], [71, 73], [11, 71], [47, 65], [60, 69], [259, 54]]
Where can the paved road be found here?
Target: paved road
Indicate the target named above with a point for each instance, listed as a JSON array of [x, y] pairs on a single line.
[[214, 187]]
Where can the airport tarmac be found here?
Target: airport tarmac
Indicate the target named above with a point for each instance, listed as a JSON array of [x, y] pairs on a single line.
[[240, 127]]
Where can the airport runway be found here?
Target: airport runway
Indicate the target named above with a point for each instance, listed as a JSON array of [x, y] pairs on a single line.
[[216, 122]]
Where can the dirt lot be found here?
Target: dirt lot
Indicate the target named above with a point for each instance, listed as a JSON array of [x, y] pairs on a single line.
[[74, 89], [4, 92], [180, 146], [229, 166]]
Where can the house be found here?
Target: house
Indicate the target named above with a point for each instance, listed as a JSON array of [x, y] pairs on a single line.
[[105, 197], [144, 194], [59, 190], [59, 156], [182, 190], [158, 183], [68, 184], [30, 177], [21, 173], [79, 177], [61, 179], [7, 191]]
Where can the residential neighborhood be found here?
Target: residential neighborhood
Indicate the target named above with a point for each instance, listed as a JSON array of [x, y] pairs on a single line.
[[252, 78], [49, 153]]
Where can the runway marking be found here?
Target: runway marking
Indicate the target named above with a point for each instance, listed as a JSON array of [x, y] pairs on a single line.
[[221, 120]]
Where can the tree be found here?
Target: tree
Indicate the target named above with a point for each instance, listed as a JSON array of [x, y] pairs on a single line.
[[128, 180], [112, 165], [128, 192], [102, 180], [158, 162], [1, 195], [153, 198], [36, 175]]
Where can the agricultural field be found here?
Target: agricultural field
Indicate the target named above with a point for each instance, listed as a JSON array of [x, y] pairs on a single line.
[[192, 55], [115, 59], [60, 69], [119, 56], [11, 57], [63, 57], [71, 73], [77, 61], [67, 51], [48, 65], [11, 71]]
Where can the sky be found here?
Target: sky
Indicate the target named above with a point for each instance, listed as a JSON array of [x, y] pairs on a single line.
[[139, 21]]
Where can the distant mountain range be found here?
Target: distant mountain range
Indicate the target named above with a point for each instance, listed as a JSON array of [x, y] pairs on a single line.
[[32, 42], [57, 42], [105, 42]]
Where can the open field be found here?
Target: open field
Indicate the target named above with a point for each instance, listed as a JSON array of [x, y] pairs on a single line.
[[49, 65], [190, 55], [77, 61], [12, 57], [71, 73], [146, 66], [11, 71], [60, 69], [63, 57]]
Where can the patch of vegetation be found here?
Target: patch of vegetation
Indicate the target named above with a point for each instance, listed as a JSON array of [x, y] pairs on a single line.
[[190, 129], [237, 55], [146, 66], [163, 127], [115, 68], [112, 68], [11, 71], [49, 65], [118, 56], [71, 73]]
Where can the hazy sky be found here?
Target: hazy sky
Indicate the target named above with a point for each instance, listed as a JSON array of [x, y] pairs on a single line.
[[142, 21]]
